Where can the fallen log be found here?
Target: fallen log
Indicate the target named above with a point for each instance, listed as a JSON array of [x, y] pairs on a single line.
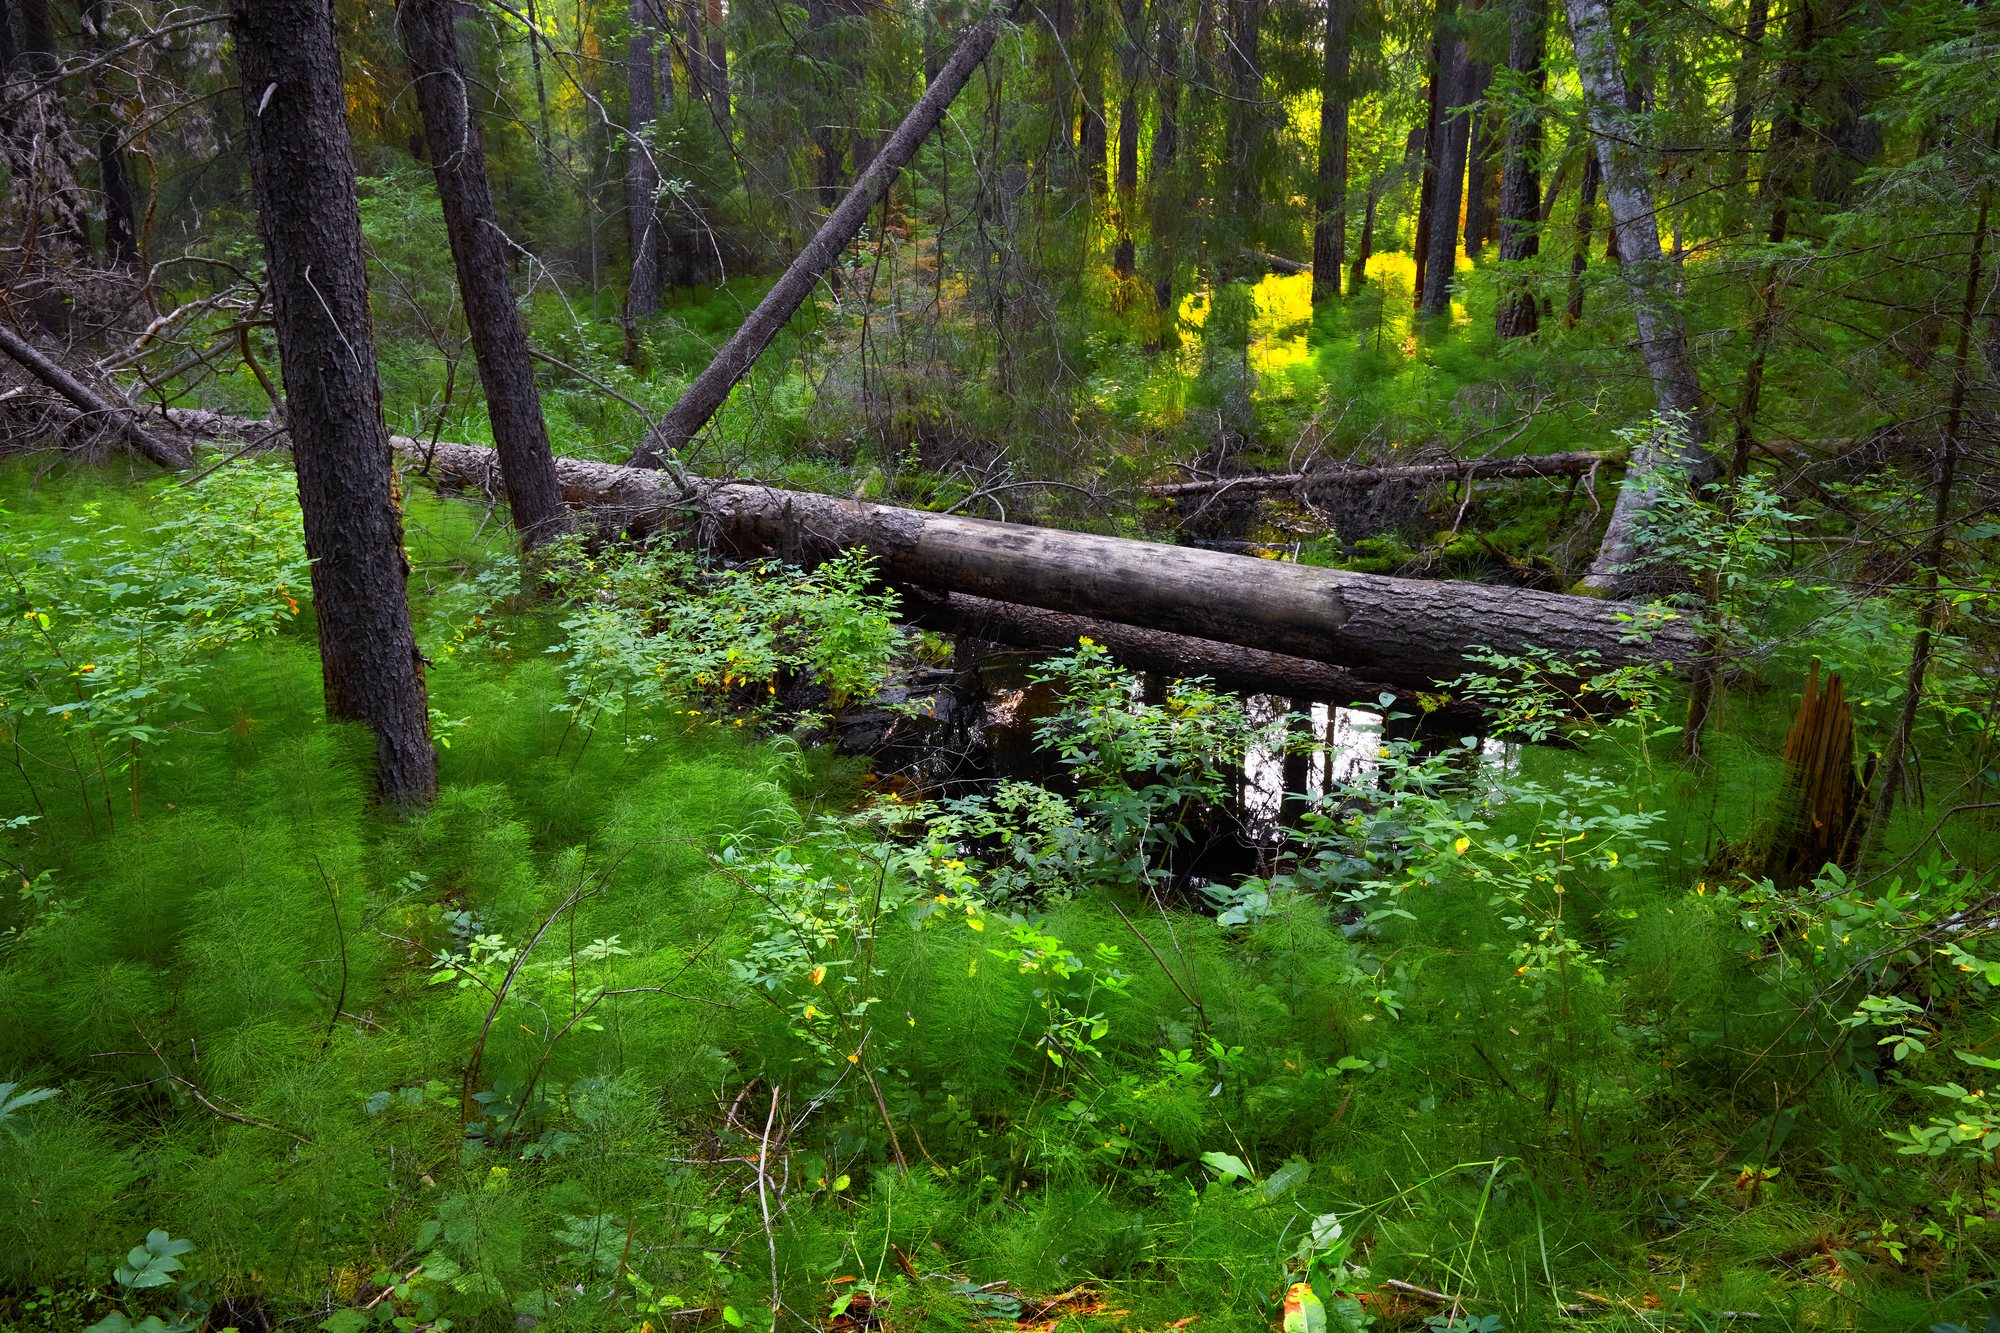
[[118, 418], [1481, 469], [1407, 633], [664, 441], [1231, 666]]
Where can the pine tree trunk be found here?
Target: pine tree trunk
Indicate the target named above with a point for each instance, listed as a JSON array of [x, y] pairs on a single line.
[[709, 389], [1479, 164], [1649, 280], [1330, 204], [642, 173], [1245, 109], [121, 230], [1131, 92], [1427, 146], [1446, 154], [1162, 181], [499, 342], [1520, 183], [718, 68], [301, 168], [1586, 222], [1743, 98]]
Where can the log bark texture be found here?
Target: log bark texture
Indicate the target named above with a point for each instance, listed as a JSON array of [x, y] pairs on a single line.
[[1403, 633], [499, 341], [302, 172], [1229, 665], [1480, 469], [711, 388]]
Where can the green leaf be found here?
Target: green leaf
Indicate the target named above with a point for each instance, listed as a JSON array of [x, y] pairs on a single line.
[[1285, 1179], [1228, 1166]]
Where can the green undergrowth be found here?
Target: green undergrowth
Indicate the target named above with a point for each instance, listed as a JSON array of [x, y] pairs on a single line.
[[656, 1020]]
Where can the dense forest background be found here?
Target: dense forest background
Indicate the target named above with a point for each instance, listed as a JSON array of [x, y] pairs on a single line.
[[1463, 799]]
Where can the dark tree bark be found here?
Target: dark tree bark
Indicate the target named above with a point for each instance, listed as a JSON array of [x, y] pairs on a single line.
[[1649, 281], [479, 252], [1425, 146], [1479, 152], [1520, 183], [1131, 91], [1743, 98], [301, 168], [1247, 127], [1364, 248], [1163, 182], [42, 156], [733, 362], [1330, 204], [1446, 156], [642, 173], [718, 68], [1586, 222], [121, 230]]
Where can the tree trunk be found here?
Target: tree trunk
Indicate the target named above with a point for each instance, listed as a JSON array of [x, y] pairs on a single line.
[[1231, 666], [1586, 222], [1364, 249], [718, 68], [499, 342], [121, 230], [116, 417], [546, 144], [1479, 164], [1245, 110], [1162, 181], [1131, 74], [733, 362], [1477, 469], [1520, 183], [1743, 98], [642, 173], [1446, 155], [1330, 204], [1649, 279], [302, 172], [1426, 146]]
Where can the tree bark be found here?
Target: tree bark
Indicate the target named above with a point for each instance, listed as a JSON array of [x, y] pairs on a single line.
[[1477, 469], [1131, 89], [499, 342], [718, 68], [1427, 180], [302, 172], [733, 362], [1244, 113], [1479, 164], [118, 417], [1364, 249], [1520, 181], [1231, 666], [642, 173], [1446, 155], [121, 231], [1330, 204], [1649, 280]]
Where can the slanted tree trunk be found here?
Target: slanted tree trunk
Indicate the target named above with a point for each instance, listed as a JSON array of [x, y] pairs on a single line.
[[479, 252], [116, 417], [642, 172], [1649, 279], [1330, 204], [1446, 155], [302, 171], [733, 362], [1520, 183]]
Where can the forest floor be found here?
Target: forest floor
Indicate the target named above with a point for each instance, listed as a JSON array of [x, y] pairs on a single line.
[[658, 1019]]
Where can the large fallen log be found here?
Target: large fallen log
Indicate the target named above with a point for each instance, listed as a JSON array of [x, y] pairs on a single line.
[[1406, 633], [1229, 665], [1480, 469]]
